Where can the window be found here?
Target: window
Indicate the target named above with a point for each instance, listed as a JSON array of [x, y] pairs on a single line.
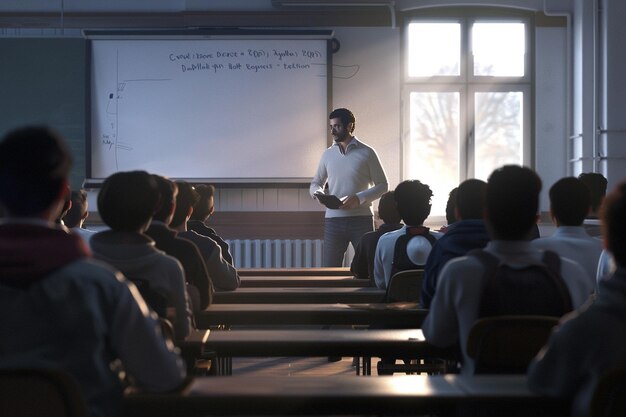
[[467, 99]]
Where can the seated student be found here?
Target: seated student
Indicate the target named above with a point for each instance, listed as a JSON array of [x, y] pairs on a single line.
[[511, 203], [60, 309], [569, 204], [597, 184], [223, 275], [363, 261], [592, 340], [67, 205], [467, 233], [409, 246], [77, 214], [204, 207], [450, 210], [200, 285], [126, 202]]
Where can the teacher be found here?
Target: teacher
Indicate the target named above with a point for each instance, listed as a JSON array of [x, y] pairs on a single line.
[[353, 172]]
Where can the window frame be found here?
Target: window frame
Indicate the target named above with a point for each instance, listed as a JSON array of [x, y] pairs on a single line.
[[467, 83]]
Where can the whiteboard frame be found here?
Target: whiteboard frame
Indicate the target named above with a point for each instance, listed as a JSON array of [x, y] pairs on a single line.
[[208, 34]]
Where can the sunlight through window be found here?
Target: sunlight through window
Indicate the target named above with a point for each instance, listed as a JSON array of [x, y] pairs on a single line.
[[435, 49]]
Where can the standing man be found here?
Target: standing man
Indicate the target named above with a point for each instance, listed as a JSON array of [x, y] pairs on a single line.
[[354, 175]]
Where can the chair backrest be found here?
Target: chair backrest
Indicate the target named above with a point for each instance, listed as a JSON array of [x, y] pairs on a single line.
[[609, 397], [39, 392], [507, 344], [405, 286], [155, 300]]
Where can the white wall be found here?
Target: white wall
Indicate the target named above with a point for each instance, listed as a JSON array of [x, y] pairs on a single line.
[[551, 133]]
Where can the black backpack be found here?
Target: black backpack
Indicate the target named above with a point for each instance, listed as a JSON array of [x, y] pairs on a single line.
[[535, 289], [401, 261]]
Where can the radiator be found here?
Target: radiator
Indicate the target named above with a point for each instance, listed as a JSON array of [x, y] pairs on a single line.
[[287, 253]]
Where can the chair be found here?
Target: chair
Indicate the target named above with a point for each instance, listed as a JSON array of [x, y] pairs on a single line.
[[507, 344], [609, 396], [40, 392], [405, 286]]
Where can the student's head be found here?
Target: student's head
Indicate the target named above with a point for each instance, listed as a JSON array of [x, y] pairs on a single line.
[[613, 215], [511, 202], [470, 199], [167, 192], [597, 184], [451, 206], [127, 201], [569, 201], [347, 118], [185, 201], [205, 205], [34, 168], [413, 201], [78, 212], [387, 210], [67, 205]]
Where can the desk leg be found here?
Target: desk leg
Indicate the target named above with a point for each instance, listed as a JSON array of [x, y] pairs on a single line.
[[224, 366], [367, 365]]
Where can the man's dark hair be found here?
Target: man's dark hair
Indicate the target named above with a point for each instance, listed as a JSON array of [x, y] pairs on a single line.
[[470, 199], [451, 206], [185, 199], [127, 200], [78, 210], [34, 163], [201, 209], [570, 201], [512, 200], [345, 116], [167, 193], [413, 201], [613, 215], [597, 184], [387, 209]]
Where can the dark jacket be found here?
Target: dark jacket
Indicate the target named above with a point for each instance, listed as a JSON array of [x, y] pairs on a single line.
[[363, 261], [189, 256], [461, 237]]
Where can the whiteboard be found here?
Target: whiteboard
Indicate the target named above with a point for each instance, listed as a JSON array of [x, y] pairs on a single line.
[[208, 108]]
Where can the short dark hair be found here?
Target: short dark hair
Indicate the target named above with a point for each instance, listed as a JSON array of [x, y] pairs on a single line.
[[451, 206], [34, 164], [613, 215], [167, 192], [127, 200], [345, 116], [387, 209], [413, 201], [201, 209], [512, 200], [78, 210], [597, 184], [470, 199], [185, 199], [570, 201]]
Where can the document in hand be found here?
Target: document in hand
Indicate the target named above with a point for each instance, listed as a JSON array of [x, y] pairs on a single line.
[[330, 201]]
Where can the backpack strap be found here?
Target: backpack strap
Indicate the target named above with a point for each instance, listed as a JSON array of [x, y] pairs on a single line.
[[552, 261]]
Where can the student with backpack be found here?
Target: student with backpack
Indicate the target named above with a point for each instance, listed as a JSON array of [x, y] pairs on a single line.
[[408, 247], [509, 276]]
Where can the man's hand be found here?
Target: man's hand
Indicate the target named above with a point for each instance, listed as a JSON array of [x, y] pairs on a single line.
[[350, 203]]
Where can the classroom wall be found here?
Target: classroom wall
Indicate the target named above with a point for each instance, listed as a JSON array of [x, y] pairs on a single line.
[[373, 93]]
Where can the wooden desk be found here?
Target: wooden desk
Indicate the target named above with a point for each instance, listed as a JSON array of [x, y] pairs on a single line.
[[341, 395], [399, 343], [407, 315], [339, 271], [300, 295], [302, 281]]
